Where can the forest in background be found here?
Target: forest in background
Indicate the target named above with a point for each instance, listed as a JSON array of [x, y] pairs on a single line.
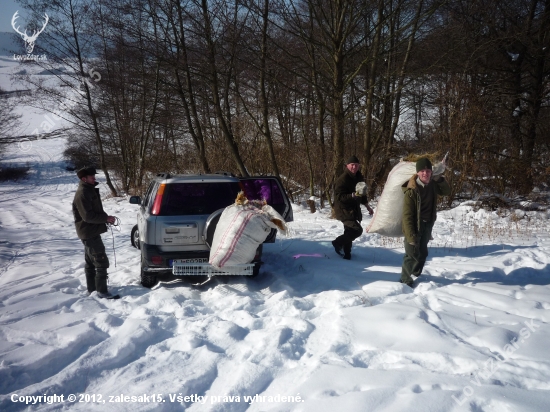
[[292, 88]]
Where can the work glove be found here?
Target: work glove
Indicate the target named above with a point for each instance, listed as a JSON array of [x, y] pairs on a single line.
[[439, 168]]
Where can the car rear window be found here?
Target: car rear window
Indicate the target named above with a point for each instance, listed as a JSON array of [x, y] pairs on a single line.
[[263, 189], [197, 198]]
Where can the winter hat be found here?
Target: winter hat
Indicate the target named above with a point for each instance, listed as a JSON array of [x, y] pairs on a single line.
[[353, 159], [86, 171], [423, 163]]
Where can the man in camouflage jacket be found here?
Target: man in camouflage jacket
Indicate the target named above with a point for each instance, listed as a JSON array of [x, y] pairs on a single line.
[[419, 215], [90, 221]]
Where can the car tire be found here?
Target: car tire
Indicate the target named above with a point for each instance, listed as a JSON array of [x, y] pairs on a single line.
[[148, 280], [257, 261], [134, 237], [256, 269], [210, 227]]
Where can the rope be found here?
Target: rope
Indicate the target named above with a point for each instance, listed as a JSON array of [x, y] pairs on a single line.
[[290, 236], [117, 227]]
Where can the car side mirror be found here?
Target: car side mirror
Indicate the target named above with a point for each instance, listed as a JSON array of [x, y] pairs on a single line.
[[135, 200]]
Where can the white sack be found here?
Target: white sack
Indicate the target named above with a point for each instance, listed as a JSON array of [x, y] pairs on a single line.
[[389, 211], [275, 218], [240, 230], [361, 189]]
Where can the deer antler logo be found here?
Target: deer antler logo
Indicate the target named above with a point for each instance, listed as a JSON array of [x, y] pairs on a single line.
[[29, 40]]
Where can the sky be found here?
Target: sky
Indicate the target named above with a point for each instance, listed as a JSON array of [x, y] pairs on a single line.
[[9, 7]]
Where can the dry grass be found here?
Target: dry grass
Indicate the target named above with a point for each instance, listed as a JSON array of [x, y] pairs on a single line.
[[434, 157], [13, 172], [466, 230]]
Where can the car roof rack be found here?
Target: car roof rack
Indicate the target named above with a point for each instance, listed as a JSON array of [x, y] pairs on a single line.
[[164, 175]]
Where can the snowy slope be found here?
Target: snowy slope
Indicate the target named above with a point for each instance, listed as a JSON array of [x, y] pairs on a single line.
[[35, 120], [309, 334]]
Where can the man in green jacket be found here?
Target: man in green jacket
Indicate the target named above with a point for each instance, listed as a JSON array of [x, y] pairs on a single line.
[[347, 206], [90, 221], [419, 215]]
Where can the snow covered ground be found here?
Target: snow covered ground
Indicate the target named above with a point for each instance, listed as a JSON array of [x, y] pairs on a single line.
[[309, 334]]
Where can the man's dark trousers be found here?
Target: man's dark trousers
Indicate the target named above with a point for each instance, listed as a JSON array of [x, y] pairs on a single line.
[[352, 230], [97, 264], [415, 256]]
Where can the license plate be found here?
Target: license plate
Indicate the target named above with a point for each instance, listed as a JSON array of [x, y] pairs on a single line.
[[195, 260]]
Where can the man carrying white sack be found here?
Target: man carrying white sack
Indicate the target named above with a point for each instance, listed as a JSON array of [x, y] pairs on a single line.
[[419, 215], [347, 206]]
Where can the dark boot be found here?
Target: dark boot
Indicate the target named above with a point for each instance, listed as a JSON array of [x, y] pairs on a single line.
[[409, 282], [338, 246], [90, 279], [101, 280], [347, 251], [107, 295]]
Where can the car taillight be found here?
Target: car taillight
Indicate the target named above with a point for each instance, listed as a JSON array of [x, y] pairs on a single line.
[[158, 200], [156, 260]]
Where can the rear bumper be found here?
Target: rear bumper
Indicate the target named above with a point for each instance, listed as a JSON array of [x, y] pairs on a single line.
[[164, 268], [150, 251], [206, 269]]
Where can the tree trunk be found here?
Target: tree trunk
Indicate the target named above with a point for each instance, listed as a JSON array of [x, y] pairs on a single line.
[[263, 92], [89, 104], [215, 88]]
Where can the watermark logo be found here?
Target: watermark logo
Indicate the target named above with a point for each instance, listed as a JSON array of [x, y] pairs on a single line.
[[29, 40], [492, 364]]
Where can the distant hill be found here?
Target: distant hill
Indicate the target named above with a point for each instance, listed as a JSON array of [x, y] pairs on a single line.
[[11, 43]]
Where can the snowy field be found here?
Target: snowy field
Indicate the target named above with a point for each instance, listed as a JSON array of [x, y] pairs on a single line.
[[35, 120], [308, 334]]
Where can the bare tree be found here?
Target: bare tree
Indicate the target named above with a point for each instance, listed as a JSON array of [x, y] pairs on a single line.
[[490, 62], [185, 79], [68, 41], [9, 120], [221, 106]]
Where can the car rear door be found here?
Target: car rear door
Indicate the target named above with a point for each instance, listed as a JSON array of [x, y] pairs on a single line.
[[145, 225], [270, 189]]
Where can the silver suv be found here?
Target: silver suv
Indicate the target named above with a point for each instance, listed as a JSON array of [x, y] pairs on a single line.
[[178, 216]]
